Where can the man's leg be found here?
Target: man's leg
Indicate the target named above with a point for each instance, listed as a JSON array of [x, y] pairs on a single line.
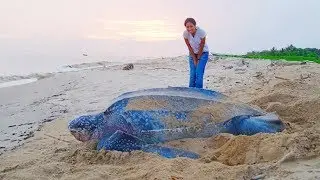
[[200, 69], [192, 80]]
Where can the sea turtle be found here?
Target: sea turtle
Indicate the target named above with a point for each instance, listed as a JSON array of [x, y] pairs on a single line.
[[141, 120]]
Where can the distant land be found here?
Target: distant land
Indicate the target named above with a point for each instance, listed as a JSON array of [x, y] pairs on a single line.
[[290, 53]]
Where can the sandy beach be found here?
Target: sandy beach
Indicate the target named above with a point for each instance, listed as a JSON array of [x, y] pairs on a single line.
[[36, 144]]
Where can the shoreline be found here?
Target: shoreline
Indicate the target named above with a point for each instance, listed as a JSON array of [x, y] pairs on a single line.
[[45, 107], [7, 80], [4, 79], [17, 82]]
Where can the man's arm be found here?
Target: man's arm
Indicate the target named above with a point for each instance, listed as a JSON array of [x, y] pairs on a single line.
[[202, 43], [195, 60]]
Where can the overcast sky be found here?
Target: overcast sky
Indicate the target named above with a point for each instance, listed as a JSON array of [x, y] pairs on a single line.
[[153, 27]]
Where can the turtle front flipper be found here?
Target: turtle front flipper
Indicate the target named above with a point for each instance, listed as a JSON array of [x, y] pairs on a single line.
[[121, 141]]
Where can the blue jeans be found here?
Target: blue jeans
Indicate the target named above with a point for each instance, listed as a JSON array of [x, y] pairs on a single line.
[[196, 72]]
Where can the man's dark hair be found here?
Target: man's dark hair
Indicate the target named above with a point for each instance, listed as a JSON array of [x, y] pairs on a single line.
[[190, 20]]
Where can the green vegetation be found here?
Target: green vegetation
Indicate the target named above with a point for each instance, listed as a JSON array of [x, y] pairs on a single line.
[[289, 53]]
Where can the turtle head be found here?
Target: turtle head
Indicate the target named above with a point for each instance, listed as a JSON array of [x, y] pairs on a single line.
[[83, 127]]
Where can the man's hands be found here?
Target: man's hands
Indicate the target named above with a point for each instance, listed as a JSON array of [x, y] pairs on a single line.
[[195, 60], [198, 56]]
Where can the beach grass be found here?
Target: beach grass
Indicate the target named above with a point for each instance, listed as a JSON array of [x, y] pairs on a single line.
[[290, 53], [287, 58]]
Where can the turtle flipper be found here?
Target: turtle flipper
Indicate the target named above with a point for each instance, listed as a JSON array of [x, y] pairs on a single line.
[[250, 125], [121, 141]]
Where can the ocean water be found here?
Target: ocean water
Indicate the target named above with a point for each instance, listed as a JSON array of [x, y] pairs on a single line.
[[26, 56], [29, 64], [24, 60], [27, 69]]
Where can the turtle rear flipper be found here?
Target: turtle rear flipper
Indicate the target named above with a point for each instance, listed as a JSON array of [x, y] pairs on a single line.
[[250, 125], [121, 141]]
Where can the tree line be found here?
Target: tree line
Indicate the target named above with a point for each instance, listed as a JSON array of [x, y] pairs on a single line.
[[289, 53]]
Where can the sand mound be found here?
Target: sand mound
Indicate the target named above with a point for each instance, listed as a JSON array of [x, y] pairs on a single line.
[[296, 102], [251, 150]]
